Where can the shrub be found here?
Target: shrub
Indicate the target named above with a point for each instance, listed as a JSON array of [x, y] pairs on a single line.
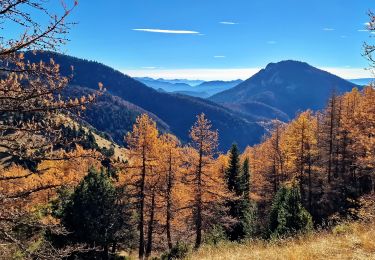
[[215, 235], [178, 251], [342, 229], [249, 221]]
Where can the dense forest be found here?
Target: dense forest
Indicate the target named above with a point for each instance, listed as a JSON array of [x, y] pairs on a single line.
[[68, 191]]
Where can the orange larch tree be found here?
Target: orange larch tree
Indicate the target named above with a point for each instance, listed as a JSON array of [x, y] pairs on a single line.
[[144, 145], [208, 186], [170, 163]]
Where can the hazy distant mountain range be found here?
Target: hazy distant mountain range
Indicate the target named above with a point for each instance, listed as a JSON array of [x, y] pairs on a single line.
[[163, 85], [278, 91], [195, 88], [214, 87], [363, 82], [183, 81]]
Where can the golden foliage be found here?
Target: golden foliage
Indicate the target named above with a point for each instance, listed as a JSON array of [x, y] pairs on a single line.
[[321, 151], [21, 187]]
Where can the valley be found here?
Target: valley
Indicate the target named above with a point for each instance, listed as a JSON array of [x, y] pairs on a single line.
[[237, 109], [166, 130]]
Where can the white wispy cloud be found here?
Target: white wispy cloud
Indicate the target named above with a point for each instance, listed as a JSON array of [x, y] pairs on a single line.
[[228, 23], [363, 30], [232, 74], [149, 68], [166, 31], [219, 56], [327, 29], [366, 24]]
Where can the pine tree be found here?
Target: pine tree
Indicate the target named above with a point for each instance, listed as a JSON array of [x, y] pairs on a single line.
[[245, 178], [239, 206], [235, 231], [95, 214], [233, 171], [287, 215]]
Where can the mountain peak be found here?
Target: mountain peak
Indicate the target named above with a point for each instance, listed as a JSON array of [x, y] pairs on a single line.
[[287, 64], [288, 86]]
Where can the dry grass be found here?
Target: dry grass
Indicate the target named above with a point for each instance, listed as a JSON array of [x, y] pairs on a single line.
[[119, 152], [349, 241]]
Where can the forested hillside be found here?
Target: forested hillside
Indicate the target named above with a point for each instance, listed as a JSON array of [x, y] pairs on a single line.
[[111, 114], [178, 111]]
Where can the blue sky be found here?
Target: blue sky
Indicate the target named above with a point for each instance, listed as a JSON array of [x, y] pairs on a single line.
[[222, 39]]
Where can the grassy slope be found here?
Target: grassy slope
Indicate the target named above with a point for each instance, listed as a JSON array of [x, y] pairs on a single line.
[[352, 241], [119, 152]]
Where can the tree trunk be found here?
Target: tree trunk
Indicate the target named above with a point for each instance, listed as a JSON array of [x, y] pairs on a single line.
[[169, 202], [337, 152], [142, 205], [150, 230], [198, 201], [275, 186], [330, 151], [344, 155], [114, 246], [302, 163], [310, 188], [105, 252]]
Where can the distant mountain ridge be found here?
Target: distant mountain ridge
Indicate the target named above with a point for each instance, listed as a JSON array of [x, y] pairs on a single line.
[[165, 85], [216, 86], [191, 82], [177, 111], [283, 89], [363, 81], [198, 94], [195, 88]]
